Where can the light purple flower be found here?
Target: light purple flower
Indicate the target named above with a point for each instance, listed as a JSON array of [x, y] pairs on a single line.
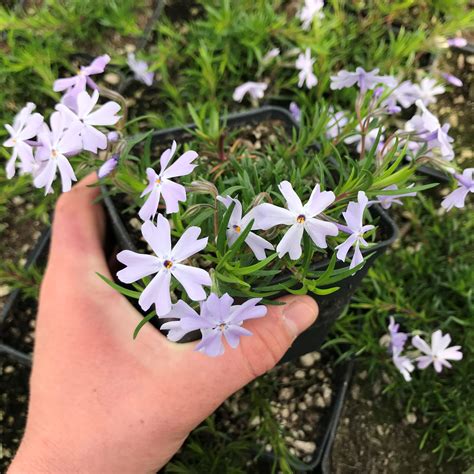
[[304, 63], [56, 144], [386, 201], [336, 123], [166, 263], [428, 89], [439, 353], [455, 81], [161, 184], [113, 137], [457, 42], [237, 224], [87, 118], [364, 79], [140, 69], [457, 197], [354, 219], [300, 218], [295, 112], [108, 166], [397, 339], [405, 94], [256, 90], [369, 139], [272, 54], [25, 126], [311, 9], [218, 318], [403, 364], [76, 84], [429, 129]]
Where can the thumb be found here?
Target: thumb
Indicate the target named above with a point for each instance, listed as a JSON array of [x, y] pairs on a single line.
[[272, 337]]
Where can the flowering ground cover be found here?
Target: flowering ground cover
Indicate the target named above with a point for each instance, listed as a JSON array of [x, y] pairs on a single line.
[[215, 218]]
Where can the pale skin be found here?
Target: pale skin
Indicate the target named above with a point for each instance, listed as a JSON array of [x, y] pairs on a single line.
[[102, 402]]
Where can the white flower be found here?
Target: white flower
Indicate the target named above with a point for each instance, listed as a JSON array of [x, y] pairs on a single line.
[[304, 63], [311, 9], [256, 90], [140, 69], [272, 54], [237, 224], [439, 353], [427, 90], [403, 364]]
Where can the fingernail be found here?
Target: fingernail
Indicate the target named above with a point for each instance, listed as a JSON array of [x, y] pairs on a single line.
[[299, 314]]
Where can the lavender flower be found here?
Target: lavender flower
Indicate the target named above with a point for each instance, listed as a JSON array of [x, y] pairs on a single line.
[[237, 224], [397, 339], [62, 140], [295, 112], [439, 353], [161, 184], [364, 79], [386, 201], [218, 318], [336, 123], [405, 94], [457, 42], [354, 216], [113, 137], [25, 126], [369, 139], [403, 364], [76, 84], [108, 166], [457, 197], [304, 63], [272, 54], [427, 90], [140, 69], [300, 218], [455, 81], [311, 9], [87, 118], [429, 129], [256, 91], [165, 264]]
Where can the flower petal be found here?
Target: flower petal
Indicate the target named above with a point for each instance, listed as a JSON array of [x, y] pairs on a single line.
[[158, 237], [188, 244], [157, 292], [182, 166], [268, 215], [166, 156], [138, 266], [318, 201], [293, 201], [318, 230], [258, 245], [192, 279], [66, 172], [104, 115], [211, 344], [234, 333], [291, 242], [150, 206], [173, 193], [421, 345]]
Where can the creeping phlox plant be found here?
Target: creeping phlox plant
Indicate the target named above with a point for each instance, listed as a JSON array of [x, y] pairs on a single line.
[[224, 231]]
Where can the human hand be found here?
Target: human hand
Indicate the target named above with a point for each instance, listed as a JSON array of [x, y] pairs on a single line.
[[101, 402]]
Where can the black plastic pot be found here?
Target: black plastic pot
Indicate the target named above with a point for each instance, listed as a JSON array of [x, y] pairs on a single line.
[[330, 306]]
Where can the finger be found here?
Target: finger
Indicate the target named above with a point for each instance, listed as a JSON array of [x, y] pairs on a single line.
[[79, 229], [216, 378]]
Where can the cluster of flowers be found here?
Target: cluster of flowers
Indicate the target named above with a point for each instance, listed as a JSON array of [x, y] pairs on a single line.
[[438, 354]]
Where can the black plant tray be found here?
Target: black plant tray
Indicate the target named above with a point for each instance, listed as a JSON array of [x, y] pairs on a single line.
[[330, 306]]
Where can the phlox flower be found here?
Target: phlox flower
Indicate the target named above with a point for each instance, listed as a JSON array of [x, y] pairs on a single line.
[[300, 218], [87, 118], [76, 84], [62, 140], [272, 54], [237, 224], [218, 318], [403, 363], [369, 139], [108, 166], [311, 9], [428, 89], [386, 201], [438, 353], [25, 126], [354, 216], [364, 79], [397, 339], [337, 122], [428, 127], [295, 112], [166, 262], [455, 81], [405, 94], [256, 90], [304, 63], [140, 69], [160, 184], [457, 42], [457, 197]]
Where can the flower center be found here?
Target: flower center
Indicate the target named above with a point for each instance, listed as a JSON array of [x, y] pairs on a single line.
[[236, 228], [158, 181], [301, 219], [167, 264], [54, 153], [222, 327]]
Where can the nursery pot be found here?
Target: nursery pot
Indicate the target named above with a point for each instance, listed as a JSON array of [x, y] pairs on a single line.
[[330, 306]]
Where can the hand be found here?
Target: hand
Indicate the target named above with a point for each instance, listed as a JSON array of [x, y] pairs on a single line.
[[102, 402]]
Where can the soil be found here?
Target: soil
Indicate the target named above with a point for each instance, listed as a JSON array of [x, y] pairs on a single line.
[[373, 436]]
